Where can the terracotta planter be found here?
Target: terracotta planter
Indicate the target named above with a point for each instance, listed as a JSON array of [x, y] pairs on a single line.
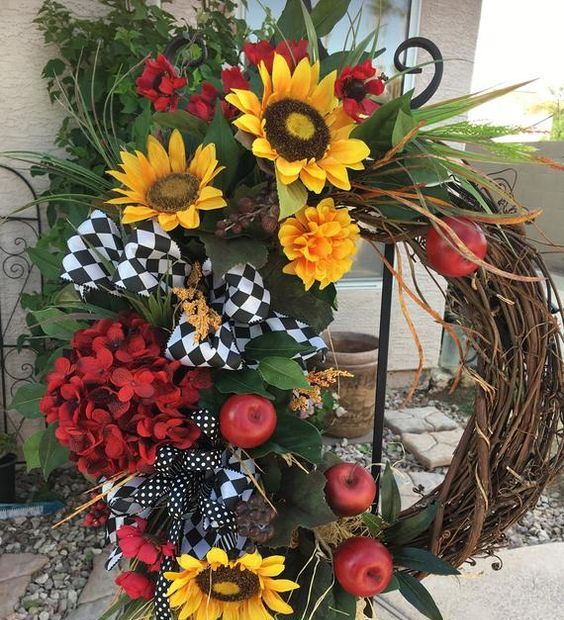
[[357, 353], [8, 478]]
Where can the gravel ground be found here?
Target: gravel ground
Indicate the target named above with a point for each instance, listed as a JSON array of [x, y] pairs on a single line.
[[70, 548]]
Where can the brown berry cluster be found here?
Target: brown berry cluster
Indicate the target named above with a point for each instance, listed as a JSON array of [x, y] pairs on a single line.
[[262, 208], [97, 514], [254, 521]]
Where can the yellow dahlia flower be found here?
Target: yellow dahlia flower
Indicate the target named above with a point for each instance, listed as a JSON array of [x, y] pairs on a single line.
[[300, 126], [166, 186], [230, 589], [320, 243]]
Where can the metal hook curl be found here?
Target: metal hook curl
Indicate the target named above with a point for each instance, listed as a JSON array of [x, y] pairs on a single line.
[[184, 40], [435, 52]]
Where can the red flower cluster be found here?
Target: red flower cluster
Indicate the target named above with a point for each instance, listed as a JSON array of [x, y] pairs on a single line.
[[354, 85], [97, 514], [136, 585], [134, 543], [203, 104], [160, 83], [117, 400], [293, 52]]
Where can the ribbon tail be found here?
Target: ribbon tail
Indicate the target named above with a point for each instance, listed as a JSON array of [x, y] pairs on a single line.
[[162, 606]]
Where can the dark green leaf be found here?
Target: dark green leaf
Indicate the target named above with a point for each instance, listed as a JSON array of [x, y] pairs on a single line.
[[404, 531], [282, 373], [49, 264], [421, 560], [377, 131], [374, 523], [226, 254], [228, 150], [53, 67], [31, 450], [246, 381], [279, 344], [291, 23], [51, 453], [26, 400], [56, 324], [326, 14], [292, 197], [415, 593], [293, 436], [393, 585], [389, 495], [301, 503], [182, 120], [403, 125]]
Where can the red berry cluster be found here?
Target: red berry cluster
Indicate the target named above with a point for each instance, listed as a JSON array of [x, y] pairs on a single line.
[[97, 514], [116, 399]]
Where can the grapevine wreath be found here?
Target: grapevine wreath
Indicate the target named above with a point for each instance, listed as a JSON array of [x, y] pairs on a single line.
[[184, 347]]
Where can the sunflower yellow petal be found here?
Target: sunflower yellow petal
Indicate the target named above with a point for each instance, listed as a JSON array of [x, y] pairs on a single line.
[[323, 96], [281, 585], [262, 148], [252, 561], [189, 218], [217, 556], [301, 80], [313, 177], [177, 152], [158, 157], [281, 78], [189, 562], [276, 603], [249, 123], [168, 221], [137, 213], [244, 100], [349, 151]]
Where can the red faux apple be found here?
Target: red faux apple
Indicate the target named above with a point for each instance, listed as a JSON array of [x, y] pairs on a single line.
[[442, 254], [350, 489], [363, 566], [246, 420]]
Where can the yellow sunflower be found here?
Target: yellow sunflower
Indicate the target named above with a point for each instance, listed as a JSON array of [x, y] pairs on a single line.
[[300, 126], [230, 589], [320, 242], [164, 185]]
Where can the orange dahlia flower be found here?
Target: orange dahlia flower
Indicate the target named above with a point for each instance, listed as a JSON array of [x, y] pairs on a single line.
[[320, 243]]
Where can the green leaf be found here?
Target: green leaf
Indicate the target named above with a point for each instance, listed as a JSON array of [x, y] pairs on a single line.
[[389, 495], [301, 503], [378, 129], [51, 453], [403, 125], [404, 531], [313, 47], [415, 593], [227, 149], [31, 450], [26, 400], [326, 14], [226, 254], [290, 23], [293, 436], [421, 560], [393, 585], [49, 264], [374, 523], [282, 373], [57, 324], [246, 381], [52, 68], [182, 120], [278, 344], [292, 198]]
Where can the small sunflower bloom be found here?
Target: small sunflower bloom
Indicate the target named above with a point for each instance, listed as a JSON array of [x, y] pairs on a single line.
[[320, 242], [216, 587], [300, 125], [163, 185]]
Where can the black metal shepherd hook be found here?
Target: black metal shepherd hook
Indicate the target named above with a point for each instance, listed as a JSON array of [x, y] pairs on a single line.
[[184, 40], [389, 255]]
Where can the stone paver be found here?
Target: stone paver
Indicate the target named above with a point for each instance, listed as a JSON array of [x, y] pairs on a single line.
[[91, 610], [16, 570], [432, 449], [407, 481], [101, 582], [529, 586], [418, 420]]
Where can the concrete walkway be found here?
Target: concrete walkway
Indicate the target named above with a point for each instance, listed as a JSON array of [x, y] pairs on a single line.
[[98, 593], [528, 587]]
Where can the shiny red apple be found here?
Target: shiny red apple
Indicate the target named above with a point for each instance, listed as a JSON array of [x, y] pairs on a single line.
[[350, 489], [443, 255], [247, 420], [363, 566]]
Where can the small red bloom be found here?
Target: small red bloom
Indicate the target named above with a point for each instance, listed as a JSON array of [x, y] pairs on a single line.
[[160, 83], [292, 51], [354, 85], [116, 399], [136, 585], [257, 52], [203, 104]]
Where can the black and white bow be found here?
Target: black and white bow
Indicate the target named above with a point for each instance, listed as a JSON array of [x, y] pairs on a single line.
[[149, 259]]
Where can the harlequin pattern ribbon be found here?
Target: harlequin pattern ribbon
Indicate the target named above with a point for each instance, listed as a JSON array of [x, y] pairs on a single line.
[[150, 260]]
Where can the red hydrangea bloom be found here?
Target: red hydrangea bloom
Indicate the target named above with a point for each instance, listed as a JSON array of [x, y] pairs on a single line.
[[354, 85], [136, 585], [160, 83], [116, 399], [292, 51], [134, 543], [203, 104]]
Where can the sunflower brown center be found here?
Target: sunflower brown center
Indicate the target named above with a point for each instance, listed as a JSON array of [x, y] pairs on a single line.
[[296, 130], [228, 583], [173, 192]]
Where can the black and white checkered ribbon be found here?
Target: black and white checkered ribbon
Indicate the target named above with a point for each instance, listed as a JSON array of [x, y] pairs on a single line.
[[149, 259], [200, 487]]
